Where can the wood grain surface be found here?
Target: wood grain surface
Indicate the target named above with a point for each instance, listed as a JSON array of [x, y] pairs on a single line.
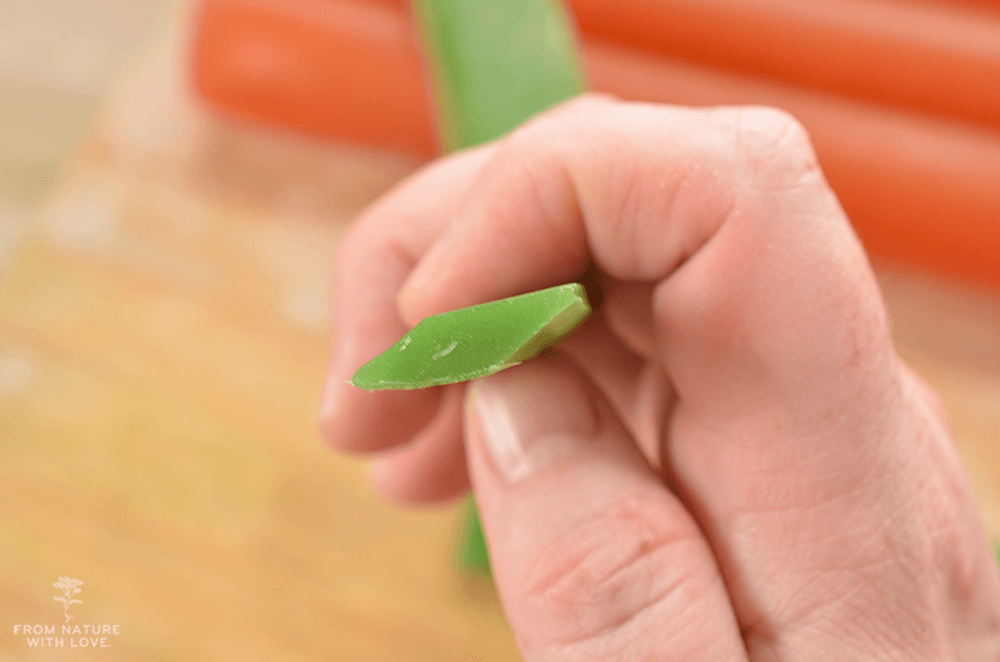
[[163, 337]]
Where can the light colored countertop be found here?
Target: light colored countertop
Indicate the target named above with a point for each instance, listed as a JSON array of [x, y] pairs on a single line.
[[163, 336]]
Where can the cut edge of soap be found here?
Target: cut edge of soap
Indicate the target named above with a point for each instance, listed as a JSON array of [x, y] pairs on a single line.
[[385, 385], [554, 330]]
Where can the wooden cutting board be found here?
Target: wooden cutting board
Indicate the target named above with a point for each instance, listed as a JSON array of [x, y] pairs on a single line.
[[163, 336]]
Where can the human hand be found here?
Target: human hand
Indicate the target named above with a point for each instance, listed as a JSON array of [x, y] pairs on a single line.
[[728, 461]]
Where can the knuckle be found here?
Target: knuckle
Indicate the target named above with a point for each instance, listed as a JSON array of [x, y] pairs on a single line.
[[539, 183], [523, 142], [590, 99], [772, 145], [772, 127], [553, 120], [619, 565]]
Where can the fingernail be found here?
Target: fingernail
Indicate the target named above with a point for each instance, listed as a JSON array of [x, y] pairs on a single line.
[[532, 416], [412, 293], [330, 399], [334, 385]]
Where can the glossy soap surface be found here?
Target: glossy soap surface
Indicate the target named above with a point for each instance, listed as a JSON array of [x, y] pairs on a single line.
[[476, 341]]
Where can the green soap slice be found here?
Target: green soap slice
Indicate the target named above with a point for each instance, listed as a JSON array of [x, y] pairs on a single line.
[[495, 63], [471, 556], [477, 341]]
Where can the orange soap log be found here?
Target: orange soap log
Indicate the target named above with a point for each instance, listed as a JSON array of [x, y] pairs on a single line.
[[920, 191], [933, 56], [941, 56], [324, 67]]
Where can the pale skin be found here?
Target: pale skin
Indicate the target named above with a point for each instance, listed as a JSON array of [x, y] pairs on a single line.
[[728, 461]]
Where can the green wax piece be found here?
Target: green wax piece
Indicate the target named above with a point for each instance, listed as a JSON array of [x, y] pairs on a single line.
[[477, 341], [495, 63], [472, 557]]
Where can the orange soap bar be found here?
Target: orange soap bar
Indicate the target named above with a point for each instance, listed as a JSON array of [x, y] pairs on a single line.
[[921, 191], [934, 56], [325, 67]]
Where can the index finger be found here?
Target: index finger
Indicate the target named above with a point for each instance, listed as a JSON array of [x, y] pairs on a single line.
[[373, 261]]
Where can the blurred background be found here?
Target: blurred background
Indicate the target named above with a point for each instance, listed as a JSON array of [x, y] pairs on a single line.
[[175, 176], [58, 60]]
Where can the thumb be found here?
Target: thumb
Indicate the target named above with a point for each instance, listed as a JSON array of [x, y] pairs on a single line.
[[592, 556]]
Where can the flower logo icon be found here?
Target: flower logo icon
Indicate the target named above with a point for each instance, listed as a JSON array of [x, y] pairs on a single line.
[[69, 588]]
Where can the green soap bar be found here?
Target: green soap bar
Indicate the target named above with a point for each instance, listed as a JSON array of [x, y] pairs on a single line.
[[471, 556], [476, 341], [495, 63]]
